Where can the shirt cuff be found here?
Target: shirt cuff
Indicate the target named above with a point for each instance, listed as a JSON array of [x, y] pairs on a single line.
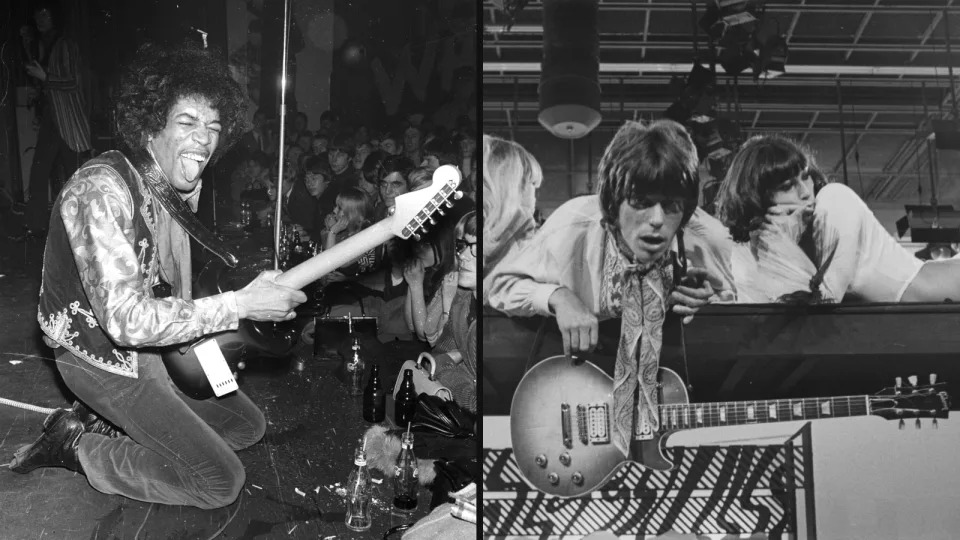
[[218, 313], [540, 298]]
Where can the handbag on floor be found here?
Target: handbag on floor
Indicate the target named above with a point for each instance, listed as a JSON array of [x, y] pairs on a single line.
[[424, 381]]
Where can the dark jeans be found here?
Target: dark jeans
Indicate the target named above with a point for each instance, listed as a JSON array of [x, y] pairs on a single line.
[[53, 163], [177, 450]]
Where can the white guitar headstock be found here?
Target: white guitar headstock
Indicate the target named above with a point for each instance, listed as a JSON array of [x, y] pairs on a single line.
[[413, 210]]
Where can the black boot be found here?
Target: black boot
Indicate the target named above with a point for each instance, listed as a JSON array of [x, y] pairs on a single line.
[[57, 447], [94, 423]]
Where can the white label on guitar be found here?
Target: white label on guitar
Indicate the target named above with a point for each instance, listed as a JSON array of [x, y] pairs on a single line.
[[215, 367]]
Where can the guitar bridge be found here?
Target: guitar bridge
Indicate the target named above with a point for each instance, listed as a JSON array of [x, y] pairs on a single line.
[[582, 424]]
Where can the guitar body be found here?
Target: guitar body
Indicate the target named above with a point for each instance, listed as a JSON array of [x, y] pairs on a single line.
[[543, 438], [260, 338], [561, 420]]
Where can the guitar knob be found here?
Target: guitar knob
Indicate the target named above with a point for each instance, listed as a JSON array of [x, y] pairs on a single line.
[[917, 424], [553, 478], [241, 365], [902, 424], [541, 460], [936, 425], [933, 379], [565, 459], [456, 195], [577, 478], [913, 380]]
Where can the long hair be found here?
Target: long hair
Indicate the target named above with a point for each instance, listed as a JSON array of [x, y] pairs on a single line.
[[159, 76], [761, 166], [656, 159], [510, 175], [356, 206]]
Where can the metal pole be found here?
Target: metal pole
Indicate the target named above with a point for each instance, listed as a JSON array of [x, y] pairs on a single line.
[[843, 142], [283, 116], [953, 89]]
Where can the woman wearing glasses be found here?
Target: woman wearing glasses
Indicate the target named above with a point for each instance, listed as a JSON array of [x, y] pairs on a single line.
[[455, 344]]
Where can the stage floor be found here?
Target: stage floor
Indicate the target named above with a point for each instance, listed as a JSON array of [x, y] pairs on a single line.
[[293, 474]]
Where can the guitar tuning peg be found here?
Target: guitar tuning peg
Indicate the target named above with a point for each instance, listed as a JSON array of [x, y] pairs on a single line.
[[448, 204], [913, 380], [457, 195], [936, 425], [416, 237], [902, 424], [933, 379], [441, 212], [433, 221], [917, 424]]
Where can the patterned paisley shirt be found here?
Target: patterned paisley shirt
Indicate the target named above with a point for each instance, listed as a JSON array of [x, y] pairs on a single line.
[[97, 210]]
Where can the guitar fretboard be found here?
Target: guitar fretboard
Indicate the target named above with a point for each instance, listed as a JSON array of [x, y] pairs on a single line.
[[698, 415]]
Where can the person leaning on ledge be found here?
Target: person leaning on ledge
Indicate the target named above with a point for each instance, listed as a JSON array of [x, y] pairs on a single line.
[[113, 236]]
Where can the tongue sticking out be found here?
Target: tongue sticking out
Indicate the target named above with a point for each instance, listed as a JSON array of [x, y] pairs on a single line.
[[191, 169]]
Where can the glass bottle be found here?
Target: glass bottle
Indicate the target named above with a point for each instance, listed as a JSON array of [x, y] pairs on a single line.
[[355, 369], [405, 402], [358, 494], [374, 398], [405, 479]]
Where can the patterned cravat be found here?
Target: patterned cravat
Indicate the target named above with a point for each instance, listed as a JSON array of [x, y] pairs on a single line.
[[643, 299]]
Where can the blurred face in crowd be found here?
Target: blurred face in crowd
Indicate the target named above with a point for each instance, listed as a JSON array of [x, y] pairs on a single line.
[[293, 156], [363, 150], [430, 161], [314, 182], [300, 123], [44, 20], [259, 119], [389, 146], [392, 186], [362, 135], [305, 142], [184, 146], [411, 139], [339, 160], [319, 145]]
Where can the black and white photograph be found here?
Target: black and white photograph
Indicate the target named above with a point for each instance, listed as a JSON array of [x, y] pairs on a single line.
[[239, 269], [720, 261]]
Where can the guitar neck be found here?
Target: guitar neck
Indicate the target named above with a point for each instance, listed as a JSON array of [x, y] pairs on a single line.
[[734, 413], [340, 254]]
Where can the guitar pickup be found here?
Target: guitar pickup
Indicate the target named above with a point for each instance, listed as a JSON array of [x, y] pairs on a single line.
[[598, 423]]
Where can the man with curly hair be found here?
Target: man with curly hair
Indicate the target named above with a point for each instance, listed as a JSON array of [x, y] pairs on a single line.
[[120, 226]]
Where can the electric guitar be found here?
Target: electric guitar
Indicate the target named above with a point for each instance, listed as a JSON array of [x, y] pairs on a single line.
[[412, 212], [561, 421]]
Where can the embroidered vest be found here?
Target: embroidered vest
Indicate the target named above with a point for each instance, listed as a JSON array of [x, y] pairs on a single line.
[[64, 313]]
